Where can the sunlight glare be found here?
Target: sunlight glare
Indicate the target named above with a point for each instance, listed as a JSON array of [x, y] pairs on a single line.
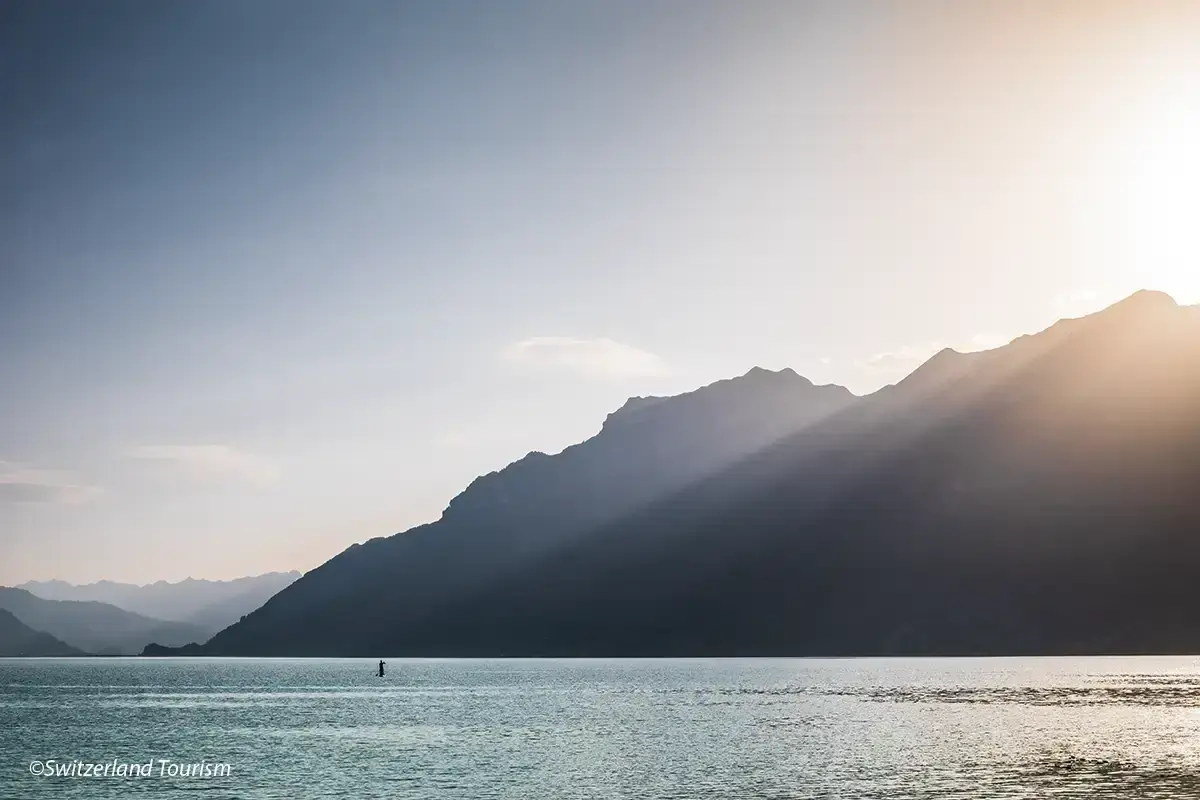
[[1166, 198]]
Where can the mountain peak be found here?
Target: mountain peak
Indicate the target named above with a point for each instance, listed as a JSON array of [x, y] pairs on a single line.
[[1147, 298], [756, 381], [785, 374], [638, 402], [941, 369], [1143, 303]]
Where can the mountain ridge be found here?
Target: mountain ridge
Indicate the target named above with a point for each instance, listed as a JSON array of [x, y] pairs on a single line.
[[538, 502], [841, 484], [210, 604], [18, 640], [1059, 452], [95, 627]]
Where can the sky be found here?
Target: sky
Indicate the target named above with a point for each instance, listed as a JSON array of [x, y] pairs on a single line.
[[278, 277]]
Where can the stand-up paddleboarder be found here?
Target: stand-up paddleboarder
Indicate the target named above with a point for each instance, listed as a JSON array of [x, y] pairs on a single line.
[[381, 669]]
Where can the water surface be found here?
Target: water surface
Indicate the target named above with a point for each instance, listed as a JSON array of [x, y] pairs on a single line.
[[872, 728]]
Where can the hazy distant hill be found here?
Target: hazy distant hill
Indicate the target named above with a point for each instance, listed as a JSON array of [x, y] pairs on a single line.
[[18, 639], [209, 604], [97, 627], [253, 592], [1037, 498]]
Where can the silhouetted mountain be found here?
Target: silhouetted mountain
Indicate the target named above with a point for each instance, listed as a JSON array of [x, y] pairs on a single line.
[[96, 627], [509, 519], [19, 640], [210, 604], [1036, 498]]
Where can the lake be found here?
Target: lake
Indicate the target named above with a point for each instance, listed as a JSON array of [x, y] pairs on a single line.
[[737, 728]]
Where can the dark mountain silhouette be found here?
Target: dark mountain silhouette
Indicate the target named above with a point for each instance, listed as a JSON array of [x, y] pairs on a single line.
[[209, 604], [1036, 498], [96, 627], [509, 519], [19, 640]]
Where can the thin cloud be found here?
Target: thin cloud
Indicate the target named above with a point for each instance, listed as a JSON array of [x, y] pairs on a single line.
[[907, 357], [986, 341], [1079, 303], [211, 460], [21, 483], [602, 359]]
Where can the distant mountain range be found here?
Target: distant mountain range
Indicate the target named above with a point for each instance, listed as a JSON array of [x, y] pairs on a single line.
[[212, 605], [96, 628], [1036, 498], [18, 639]]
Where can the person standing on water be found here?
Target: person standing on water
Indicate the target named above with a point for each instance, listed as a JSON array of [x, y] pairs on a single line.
[[381, 669]]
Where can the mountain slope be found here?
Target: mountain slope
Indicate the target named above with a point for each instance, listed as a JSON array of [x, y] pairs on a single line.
[[507, 520], [1036, 498], [19, 640], [96, 627], [210, 604]]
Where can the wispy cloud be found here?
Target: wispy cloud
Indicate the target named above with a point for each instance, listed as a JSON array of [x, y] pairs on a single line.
[[986, 341], [212, 460], [1079, 303], [590, 358], [906, 357], [21, 483]]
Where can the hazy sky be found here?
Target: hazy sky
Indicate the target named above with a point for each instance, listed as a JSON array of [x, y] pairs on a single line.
[[277, 277]]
